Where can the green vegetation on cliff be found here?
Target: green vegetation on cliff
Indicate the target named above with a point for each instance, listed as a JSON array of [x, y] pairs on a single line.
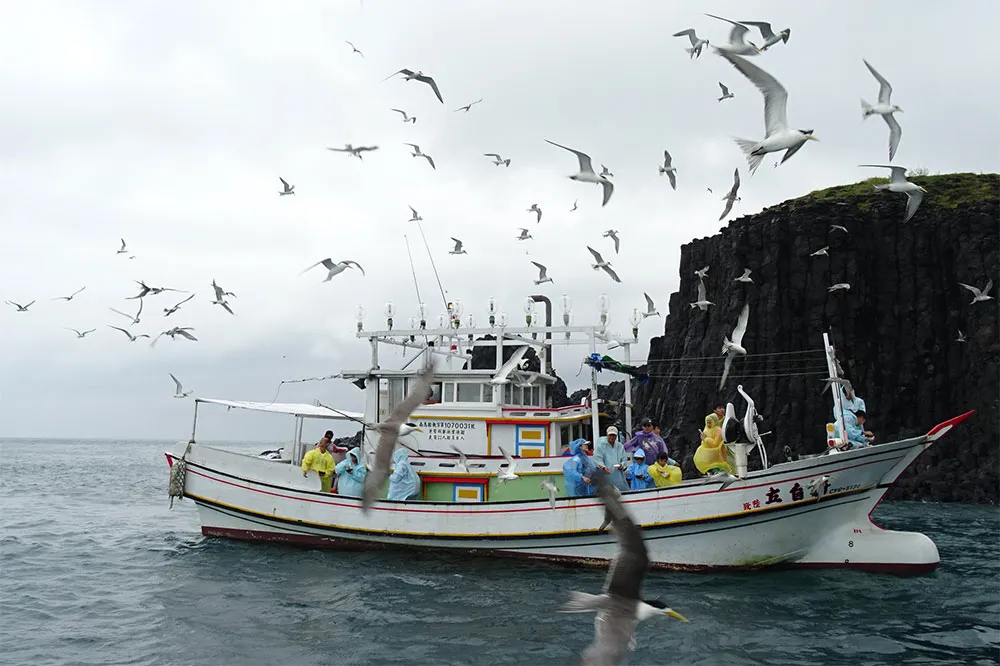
[[948, 190]]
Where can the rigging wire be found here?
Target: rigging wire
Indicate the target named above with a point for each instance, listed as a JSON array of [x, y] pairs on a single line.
[[413, 270], [702, 358], [444, 299]]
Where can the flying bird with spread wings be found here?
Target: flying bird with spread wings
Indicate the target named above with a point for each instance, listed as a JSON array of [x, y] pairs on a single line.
[[410, 75], [601, 264]]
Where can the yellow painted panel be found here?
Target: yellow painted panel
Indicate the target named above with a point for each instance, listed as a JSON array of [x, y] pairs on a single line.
[[527, 452], [532, 434], [468, 493]]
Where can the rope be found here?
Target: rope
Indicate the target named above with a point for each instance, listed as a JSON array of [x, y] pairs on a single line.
[[702, 358], [306, 379], [178, 475]]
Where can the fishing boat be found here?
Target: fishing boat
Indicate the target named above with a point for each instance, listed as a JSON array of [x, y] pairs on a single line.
[[811, 512]]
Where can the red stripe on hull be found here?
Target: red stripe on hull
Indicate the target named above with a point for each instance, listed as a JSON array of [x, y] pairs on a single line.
[[333, 543]]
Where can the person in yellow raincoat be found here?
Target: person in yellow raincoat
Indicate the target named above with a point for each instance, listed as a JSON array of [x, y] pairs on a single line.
[[321, 461], [663, 473], [711, 455]]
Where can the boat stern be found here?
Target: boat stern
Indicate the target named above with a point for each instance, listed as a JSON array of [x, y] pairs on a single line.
[[868, 547]]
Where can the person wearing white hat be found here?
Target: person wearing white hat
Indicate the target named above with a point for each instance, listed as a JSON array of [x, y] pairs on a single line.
[[611, 459]]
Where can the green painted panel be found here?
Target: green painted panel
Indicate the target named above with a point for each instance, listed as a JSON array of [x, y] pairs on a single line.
[[523, 488]]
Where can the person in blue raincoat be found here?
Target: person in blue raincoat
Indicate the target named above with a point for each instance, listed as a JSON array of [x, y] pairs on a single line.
[[637, 473], [351, 473], [404, 483], [610, 458], [578, 470]]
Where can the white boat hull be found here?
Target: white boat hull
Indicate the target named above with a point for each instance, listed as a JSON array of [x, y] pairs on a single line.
[[767, 519]]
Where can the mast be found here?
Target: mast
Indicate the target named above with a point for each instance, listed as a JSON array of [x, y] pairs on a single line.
[[831, 366]]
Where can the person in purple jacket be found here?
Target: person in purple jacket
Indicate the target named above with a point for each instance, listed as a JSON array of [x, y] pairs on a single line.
[[647, 440]]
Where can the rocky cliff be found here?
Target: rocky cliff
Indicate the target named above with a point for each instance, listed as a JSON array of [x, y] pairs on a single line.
[[896, 329]]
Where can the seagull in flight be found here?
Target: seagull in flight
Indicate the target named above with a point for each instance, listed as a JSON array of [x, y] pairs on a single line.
[[779, 136], [650, 307], [822, 252], [416, 216], [70, 297], [745, 277], [410, 75], [524, 234], [840, 286], [669, 169], [898, 183], [702, 303], [885, 109], [506, 472], [696, 43], [734, 347], [606, 172], [174, 332], [537, 211], [355, 151], [131, 338], [702, 273], [335, 268], [458, 247], [81, 334], [135, 319], [770, 39], [389, 433], [289, 189], [573, 209], [961, 336], [978, 296], [416, 153], [179, 393], [838, 227], [725, 92], [406, 118], [220, 297], [543, 276], [737, 40], [463, 461], [174, 308], [123, 249], [144, 289], [731, 197], [601, 264], [587, 174], [620, 606], [550, 487], [497, 160], [355, 49], [469, 106], [613, 235]]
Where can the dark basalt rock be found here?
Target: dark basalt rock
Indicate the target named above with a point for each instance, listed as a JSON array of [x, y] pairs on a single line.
[[895, 330]]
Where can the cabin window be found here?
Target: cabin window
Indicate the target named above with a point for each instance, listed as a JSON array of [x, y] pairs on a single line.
[[487, 393], [395, 392], [449, 392], [468, 392], [532, 396], [434, 396]]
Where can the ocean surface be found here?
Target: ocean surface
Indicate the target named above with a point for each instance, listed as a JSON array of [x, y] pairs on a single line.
[[95, 569]]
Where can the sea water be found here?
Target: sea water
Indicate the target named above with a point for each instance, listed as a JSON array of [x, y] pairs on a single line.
[[95, 569]]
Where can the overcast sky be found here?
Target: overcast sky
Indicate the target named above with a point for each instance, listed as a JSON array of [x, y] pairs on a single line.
[[169, 124]]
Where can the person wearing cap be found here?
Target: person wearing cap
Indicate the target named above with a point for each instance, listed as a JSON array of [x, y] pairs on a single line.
[[850, 401], [854, 424], [637, 474], [647, 440], [611, 459], [320, 461]]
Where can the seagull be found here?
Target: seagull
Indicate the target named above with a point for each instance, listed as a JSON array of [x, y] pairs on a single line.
[[180, 392], [537, 211], [463, 462], [220, 298], [977, 295], [613, 235], [70, 297], [406, 118], [702, 303], [417, 153], [702, 273], [144, 289], [169, 311], [289, 189], [619, 607], [174, 332], [335, 268], [135, 319], [840, 286], [696, 43], [458, 247], [410, 75], [416, 216], [725, 92], [898, 183], [822, 252], [830, 381], [123, 249], [837, 227], [603, 264], [389, 432], [750, 420], [606, 172], [524, 234], [549, 486], [884, 109], [819, 486], [668, 169], [131, 338], [355, 151], [573, 209], [542, 274], [731, 197], [734, 347], [467, 107], [497, 160], [770, 39], [779, 135], [83, 334], [960, 338], [356, 50], [506, 473], [737, 44], [587, 174], [650, 307], [745, 277]]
